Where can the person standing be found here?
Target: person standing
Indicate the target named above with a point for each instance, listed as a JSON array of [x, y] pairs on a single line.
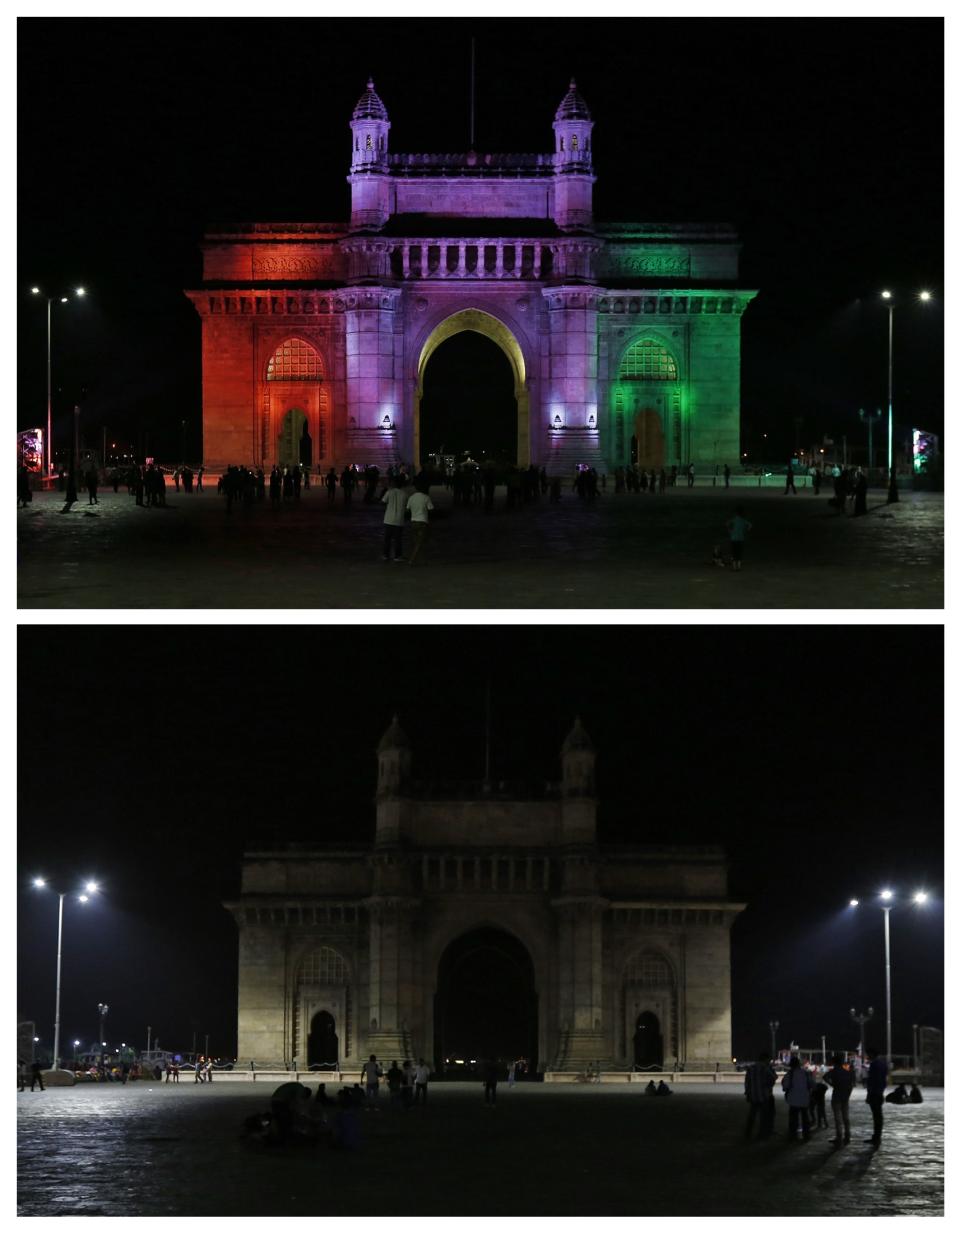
[[176, 1071], [395, 499], [511, 1074], [199, 479], [860, 493], [726, 475], [92, 478], [406, 1090], [791, 486], [421, 1077], [738, 528], [491, 1074], [331, 483], [817, 481], [758, 1088], [198, 1070], [797, 1083], [840, 1079], [876, 1085], [419, 506], [690, 474], [370, 1075], [36, 1076], [208, 1070]]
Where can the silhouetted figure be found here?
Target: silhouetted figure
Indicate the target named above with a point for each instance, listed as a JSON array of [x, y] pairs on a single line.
[[726, 475], [916, 1096], [860, 493], [491, 1075], [92, 478], [876, 1085], [840, 1078], [36, 1075], [797, 1084], [791, 486], [758, 1085]]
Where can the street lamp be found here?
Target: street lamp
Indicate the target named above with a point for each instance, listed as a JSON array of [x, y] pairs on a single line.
[[90, 888], [887, 897], [102, 1007], [892, 494], [773, 1025], [80, 292], [861, 1019]]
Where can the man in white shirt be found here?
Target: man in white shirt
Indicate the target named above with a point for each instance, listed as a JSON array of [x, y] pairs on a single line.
[[419, 506], [421, 1077], [395, 499], [370, 1075]]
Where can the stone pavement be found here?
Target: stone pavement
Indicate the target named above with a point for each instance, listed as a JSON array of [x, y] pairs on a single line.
[[626, 551], [163, 1150]]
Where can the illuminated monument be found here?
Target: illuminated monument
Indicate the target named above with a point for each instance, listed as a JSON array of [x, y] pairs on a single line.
[[623, 340], [485, 918]]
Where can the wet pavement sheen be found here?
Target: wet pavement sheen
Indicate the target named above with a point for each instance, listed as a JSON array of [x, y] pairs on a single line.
[[623, 551], [162, 1150]]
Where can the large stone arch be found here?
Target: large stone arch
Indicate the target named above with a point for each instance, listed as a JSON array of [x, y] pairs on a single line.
[[321, 979], [492, 327], [650, 984]]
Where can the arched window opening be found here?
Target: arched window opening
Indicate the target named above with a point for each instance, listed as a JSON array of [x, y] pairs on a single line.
[[356, 145], [369, 142], [649, 970], [323, 967], [295, 360], [574, 142], [648, 360]]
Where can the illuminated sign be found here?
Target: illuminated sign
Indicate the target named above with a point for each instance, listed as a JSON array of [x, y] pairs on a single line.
[[30, 450], [926, 448]]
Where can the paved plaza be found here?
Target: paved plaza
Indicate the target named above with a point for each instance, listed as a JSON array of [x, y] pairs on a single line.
[[622, 551], [164, 1150]]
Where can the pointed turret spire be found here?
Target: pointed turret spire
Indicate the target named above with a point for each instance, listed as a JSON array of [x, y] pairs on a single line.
[[572, 106], [394, 737], [577, 738], [370, 105]]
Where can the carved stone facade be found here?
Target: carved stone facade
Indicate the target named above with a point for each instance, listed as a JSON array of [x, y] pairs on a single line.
[[510, 239], [624, 950]]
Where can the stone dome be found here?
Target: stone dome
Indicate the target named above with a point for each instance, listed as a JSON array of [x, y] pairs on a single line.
[[370, 106], [572, 106], [394, 737], [577, 738]]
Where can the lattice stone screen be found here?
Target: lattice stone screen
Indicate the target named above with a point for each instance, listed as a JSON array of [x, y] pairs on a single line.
[[648, 360], [294, 360]]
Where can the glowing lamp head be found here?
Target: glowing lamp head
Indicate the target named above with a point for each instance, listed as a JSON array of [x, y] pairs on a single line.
[[91, 888], [39, 882], [925, 295], [81, 291], [76, 1044], [887, 295], [920, 897], [34, 290], [854, 903], [886, 894], [64, 298], [83, 898]]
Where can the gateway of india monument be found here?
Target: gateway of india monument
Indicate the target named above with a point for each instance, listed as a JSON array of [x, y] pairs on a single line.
[[623, 339], [485, 919]]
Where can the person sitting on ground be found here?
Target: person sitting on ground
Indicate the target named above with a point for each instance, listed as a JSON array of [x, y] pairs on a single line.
[[663, 1090], [322, 1098], [650, 1089], [898, 1096], [288, 1111], [916, 1096]]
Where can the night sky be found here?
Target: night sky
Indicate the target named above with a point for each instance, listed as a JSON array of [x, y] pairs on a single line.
[[820, 139], [148, 756]]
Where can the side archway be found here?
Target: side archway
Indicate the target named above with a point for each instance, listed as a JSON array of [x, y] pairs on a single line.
[[295, 427], [647, 404], [322, 1008], [650, 1010], [491, 327]]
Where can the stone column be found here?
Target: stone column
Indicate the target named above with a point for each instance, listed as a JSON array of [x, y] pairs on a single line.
[[462, 260], [406, 259], [536, 260], [499, 269], [580, 984]]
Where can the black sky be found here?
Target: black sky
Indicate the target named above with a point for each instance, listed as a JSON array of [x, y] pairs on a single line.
[[821, 139], [149, 755]]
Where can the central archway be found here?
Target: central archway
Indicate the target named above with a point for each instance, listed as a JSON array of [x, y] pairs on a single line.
[[479, 322], [486, 1002]]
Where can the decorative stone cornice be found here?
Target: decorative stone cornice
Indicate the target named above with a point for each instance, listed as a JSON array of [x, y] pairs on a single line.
[[291, 302], [668, 302]]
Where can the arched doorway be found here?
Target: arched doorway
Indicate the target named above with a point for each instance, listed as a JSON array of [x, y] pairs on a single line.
[[323, 1047], [476, 321], [486, 1002], [468, 403], [647, 1042]]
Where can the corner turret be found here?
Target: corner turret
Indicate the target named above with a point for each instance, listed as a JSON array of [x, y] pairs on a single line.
[[579, 806], [573, 161], [369, 176]]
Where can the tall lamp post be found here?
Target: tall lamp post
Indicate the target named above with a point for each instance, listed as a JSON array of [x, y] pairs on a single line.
[[80, 291], [861, 1019], [89, 889], [773, 1025], [892, 494], [886, 903], [102, 1008]]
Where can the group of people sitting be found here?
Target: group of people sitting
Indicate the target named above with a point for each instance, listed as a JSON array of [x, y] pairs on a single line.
[[297, 1119], [658, 1089]]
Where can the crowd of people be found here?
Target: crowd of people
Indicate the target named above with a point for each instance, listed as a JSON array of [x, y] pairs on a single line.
[[805, 1088]]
